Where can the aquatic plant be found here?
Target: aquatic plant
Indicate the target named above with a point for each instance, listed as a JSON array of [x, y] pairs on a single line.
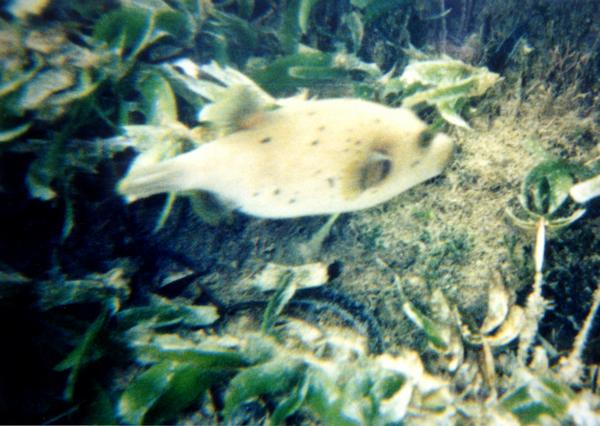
[[82, 77], [287, 366], [544, 192], [444, 83]]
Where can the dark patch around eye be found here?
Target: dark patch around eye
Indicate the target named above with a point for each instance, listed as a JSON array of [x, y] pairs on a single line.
[[315, 142], [425, 139], [265, 140], [377, 167]]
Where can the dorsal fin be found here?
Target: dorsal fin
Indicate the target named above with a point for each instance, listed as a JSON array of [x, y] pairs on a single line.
[[239, 108]]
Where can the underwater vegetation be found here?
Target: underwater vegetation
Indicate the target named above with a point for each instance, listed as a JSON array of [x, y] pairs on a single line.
[[470, 299]]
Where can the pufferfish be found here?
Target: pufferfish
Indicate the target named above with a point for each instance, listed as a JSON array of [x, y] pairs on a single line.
[[304, 157]]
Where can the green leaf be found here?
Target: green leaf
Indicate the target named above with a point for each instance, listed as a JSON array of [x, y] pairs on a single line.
[[127, 30], [99, 409], [546, 187], [158, 100], [386, 386], [325, 399], [176, 23], [292, 403], [356, 27], [187, 351], [11, 85], [540, 396], [40, 176], [69, 220], [165, 212], [110, 289], [84, 353], [295, 23], [517, 398], [280, 299], [271, 378], [83, 87], [304, 11], [245, 8], [43, 85], [163, 312], [144, 391], [448, 112], [530, 413], [436, 333], [186, 385], [234, 39], [289, 34], [276, 78], [7, 135]]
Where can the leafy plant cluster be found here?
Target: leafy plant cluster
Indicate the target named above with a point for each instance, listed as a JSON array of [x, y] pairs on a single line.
[[168, 359]]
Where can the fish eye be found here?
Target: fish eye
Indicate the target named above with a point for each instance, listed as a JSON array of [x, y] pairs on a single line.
[[375, 170], [425, 139]]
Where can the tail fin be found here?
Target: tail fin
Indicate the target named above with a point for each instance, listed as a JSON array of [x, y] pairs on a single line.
[[176, 174]]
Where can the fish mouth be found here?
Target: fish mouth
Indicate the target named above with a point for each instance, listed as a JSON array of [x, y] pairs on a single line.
[[443, 147]]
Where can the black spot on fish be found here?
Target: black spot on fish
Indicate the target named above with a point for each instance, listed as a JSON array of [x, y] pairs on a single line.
[[311, 113], [292, 201], [377, 121], [315, 142], [357, 143], [318, 172], [277, 192], [321, 128], [256, 194], [415, 164], [331, 182], [265, 140]]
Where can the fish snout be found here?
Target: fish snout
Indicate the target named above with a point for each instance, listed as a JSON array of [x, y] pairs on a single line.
[[442, 149]]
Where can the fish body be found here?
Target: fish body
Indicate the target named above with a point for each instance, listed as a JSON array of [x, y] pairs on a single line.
[[307, 157]]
